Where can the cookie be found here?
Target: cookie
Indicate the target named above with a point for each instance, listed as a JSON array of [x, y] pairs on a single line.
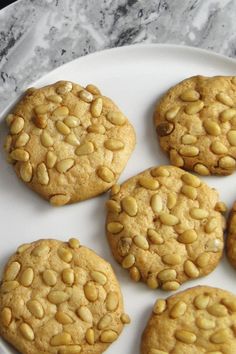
[[196, 124], [231, 238], [164, 227], [68, 143], [60, 298], [196, 321]]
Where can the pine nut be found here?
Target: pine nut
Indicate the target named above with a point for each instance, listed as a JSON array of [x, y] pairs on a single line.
[[41, 250], [167, 275], [17, 125], [189, 151], [20, 155], [74, 243], [194, 107], [108, 336], [135, 274], [204, 323], [172, 113], [176, 159], [85, 96], [128, 261], [96, 107], [227, 162], [85, 314], [9, 286], [27, 277], [49, 277], [112, 301], [106, 174], [35, 308], [114, 144], [26, 331], [201, 169], [57, 297], [85, 149], [54, 98], [42, 174], [198, 214], [125, 318], [203, 259], [214, 245], [148, 183], [68, 276], [59, 199], [104, 322], [116, 118], [22, 140], [190, 269], [129, 205], [227, 114], [212, 127], [72, 349], [189, 191], [230, 304], [178, 309], [96, 128], [220, 336], [218, 148], [224, 99], [190, 95], [71, 121], [114, 227], [62, 128], [165, 128], [160, 171], [6, 316], [188, 139], [42, 109], [152, 282], [171, 201], [9, 119], [99, 277], [211, 225], [64, 88], [61, 339], [40, 121], [231, 136], [159, 307], [64, 165], [46, 139], [156, 203], [156, 351], [188, 236], [63, 318], [113, 206], [141, 242], [72, 139], [185, 336], [169, 219], [217, 310], [7, 143], [12, 271], [201, 301], [170, 286], [171, 259], [90, 291], [51, 159], [90, 337], [154, 237], [61, 111], [65, 254], [115, 189], [93, 89]]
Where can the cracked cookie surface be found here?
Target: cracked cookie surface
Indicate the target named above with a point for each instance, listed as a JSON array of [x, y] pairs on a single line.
[[196, 124], [60, 298], [68, 143], [164, 227]]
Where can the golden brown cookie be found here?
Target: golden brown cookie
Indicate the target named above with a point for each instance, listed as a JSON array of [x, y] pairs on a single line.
[[68, 143], [164, 227], [60, 298], [231, 238], [200, 320], [196, 124]]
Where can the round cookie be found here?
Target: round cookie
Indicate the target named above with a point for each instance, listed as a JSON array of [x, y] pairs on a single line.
[[60, 298], [164, 227], [231, 238], [68, 143], [200, 320], [196, 124]]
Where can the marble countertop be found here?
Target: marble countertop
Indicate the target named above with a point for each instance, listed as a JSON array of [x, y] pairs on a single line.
[[37, 36]]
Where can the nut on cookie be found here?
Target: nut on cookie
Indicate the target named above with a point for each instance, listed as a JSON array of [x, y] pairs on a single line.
[[196, 124], [68, 143], [60, 298], [164, 226]]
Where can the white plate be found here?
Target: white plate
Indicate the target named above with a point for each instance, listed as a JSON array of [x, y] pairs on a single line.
[[134, 77]]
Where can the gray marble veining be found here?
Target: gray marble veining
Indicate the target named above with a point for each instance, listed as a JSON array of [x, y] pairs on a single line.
[[36, 36]]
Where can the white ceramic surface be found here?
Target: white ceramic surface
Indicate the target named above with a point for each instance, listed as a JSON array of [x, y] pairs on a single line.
[[134, 77]]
